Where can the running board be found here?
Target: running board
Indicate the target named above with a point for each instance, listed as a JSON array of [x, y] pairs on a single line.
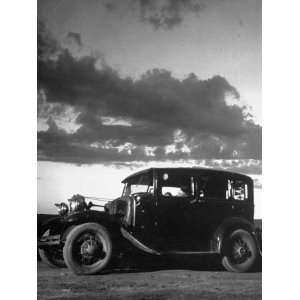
[[145, 248], [190, 252], [137, 243]]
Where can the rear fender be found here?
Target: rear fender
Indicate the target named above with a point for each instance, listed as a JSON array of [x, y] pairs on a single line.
[[226, 228]]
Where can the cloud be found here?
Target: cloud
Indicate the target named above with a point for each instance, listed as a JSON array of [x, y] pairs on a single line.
[[250, 167], [167, 14], [47, 45], [74, 38], [245, 166], [161, 14], [156, 116]]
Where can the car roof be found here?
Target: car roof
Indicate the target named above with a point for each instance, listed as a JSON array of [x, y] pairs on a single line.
[[185, 169]]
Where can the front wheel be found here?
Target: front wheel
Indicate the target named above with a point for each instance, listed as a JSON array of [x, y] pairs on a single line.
[[240, 252], [88, 249]]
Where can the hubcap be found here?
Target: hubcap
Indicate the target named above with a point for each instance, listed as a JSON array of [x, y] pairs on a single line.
[[90, 249], [240, 251]]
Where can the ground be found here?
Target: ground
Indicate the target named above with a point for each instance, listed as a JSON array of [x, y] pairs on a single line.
[[158, 282]]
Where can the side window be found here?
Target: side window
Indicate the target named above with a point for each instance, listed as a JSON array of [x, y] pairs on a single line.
[[237, 190], [173, 185], [212, 186]]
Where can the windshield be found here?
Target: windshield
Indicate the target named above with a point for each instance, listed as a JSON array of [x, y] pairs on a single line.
[[139, 184]]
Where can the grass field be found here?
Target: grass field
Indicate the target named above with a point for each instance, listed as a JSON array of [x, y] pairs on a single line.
[[155, 283]]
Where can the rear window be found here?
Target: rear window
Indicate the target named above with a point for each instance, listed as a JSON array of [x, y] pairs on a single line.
[[219, 187], [237, 189]]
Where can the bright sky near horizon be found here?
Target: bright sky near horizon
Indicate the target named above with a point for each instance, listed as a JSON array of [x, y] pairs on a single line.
[[101, 109], [56, 185]]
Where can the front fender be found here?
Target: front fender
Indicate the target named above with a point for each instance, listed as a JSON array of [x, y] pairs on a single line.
[[109, 222], [53, 224], [59, 227], [228, 226], [100, 217]]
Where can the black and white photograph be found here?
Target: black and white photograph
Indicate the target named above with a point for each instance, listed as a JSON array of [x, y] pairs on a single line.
[[149, 149]]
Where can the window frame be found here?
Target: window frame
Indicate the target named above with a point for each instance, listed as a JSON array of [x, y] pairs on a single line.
[[233, 180]]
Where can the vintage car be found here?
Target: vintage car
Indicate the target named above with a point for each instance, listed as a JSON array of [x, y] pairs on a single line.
[[162, 211]]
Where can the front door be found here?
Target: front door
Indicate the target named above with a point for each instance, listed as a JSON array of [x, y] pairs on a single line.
[[176, 193]]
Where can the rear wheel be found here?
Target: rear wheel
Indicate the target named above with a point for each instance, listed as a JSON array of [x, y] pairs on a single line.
[[52, 255], [240, 252], [88, 249]]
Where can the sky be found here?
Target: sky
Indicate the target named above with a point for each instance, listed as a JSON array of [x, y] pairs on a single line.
[[124, 85]]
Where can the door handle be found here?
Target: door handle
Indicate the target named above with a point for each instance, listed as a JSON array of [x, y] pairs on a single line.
[[193, 201], [196, 201]]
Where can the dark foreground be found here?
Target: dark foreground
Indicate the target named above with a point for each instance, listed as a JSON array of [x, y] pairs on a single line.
[[157, 282]]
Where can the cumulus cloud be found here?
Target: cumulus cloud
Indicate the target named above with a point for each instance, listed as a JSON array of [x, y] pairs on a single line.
[[156, 116], [161, 14]]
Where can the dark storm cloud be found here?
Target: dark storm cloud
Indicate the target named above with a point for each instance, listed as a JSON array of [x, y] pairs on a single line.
[[74, 38], [47, 45], [142, 133], [157, 97], [168, 15], [160, 14], [56, 144], [158, 110]]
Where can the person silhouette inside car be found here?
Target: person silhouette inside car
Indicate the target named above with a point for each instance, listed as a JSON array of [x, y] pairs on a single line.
[[185, 191]]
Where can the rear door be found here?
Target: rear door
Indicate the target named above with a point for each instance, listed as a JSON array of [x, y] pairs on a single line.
[[208, 210], [221, 196]]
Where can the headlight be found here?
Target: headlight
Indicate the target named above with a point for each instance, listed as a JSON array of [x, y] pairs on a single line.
[[62, 208], [77, 203], [74, 205]]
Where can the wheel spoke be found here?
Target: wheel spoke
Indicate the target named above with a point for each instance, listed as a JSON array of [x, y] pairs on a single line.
[[90, 249], [240, 251]]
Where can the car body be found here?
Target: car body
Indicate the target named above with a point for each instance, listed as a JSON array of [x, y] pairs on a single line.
[[162, 211]]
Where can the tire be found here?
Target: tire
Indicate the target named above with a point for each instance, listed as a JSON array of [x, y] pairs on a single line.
[[240, 252], [52, 256], [88, 249]]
